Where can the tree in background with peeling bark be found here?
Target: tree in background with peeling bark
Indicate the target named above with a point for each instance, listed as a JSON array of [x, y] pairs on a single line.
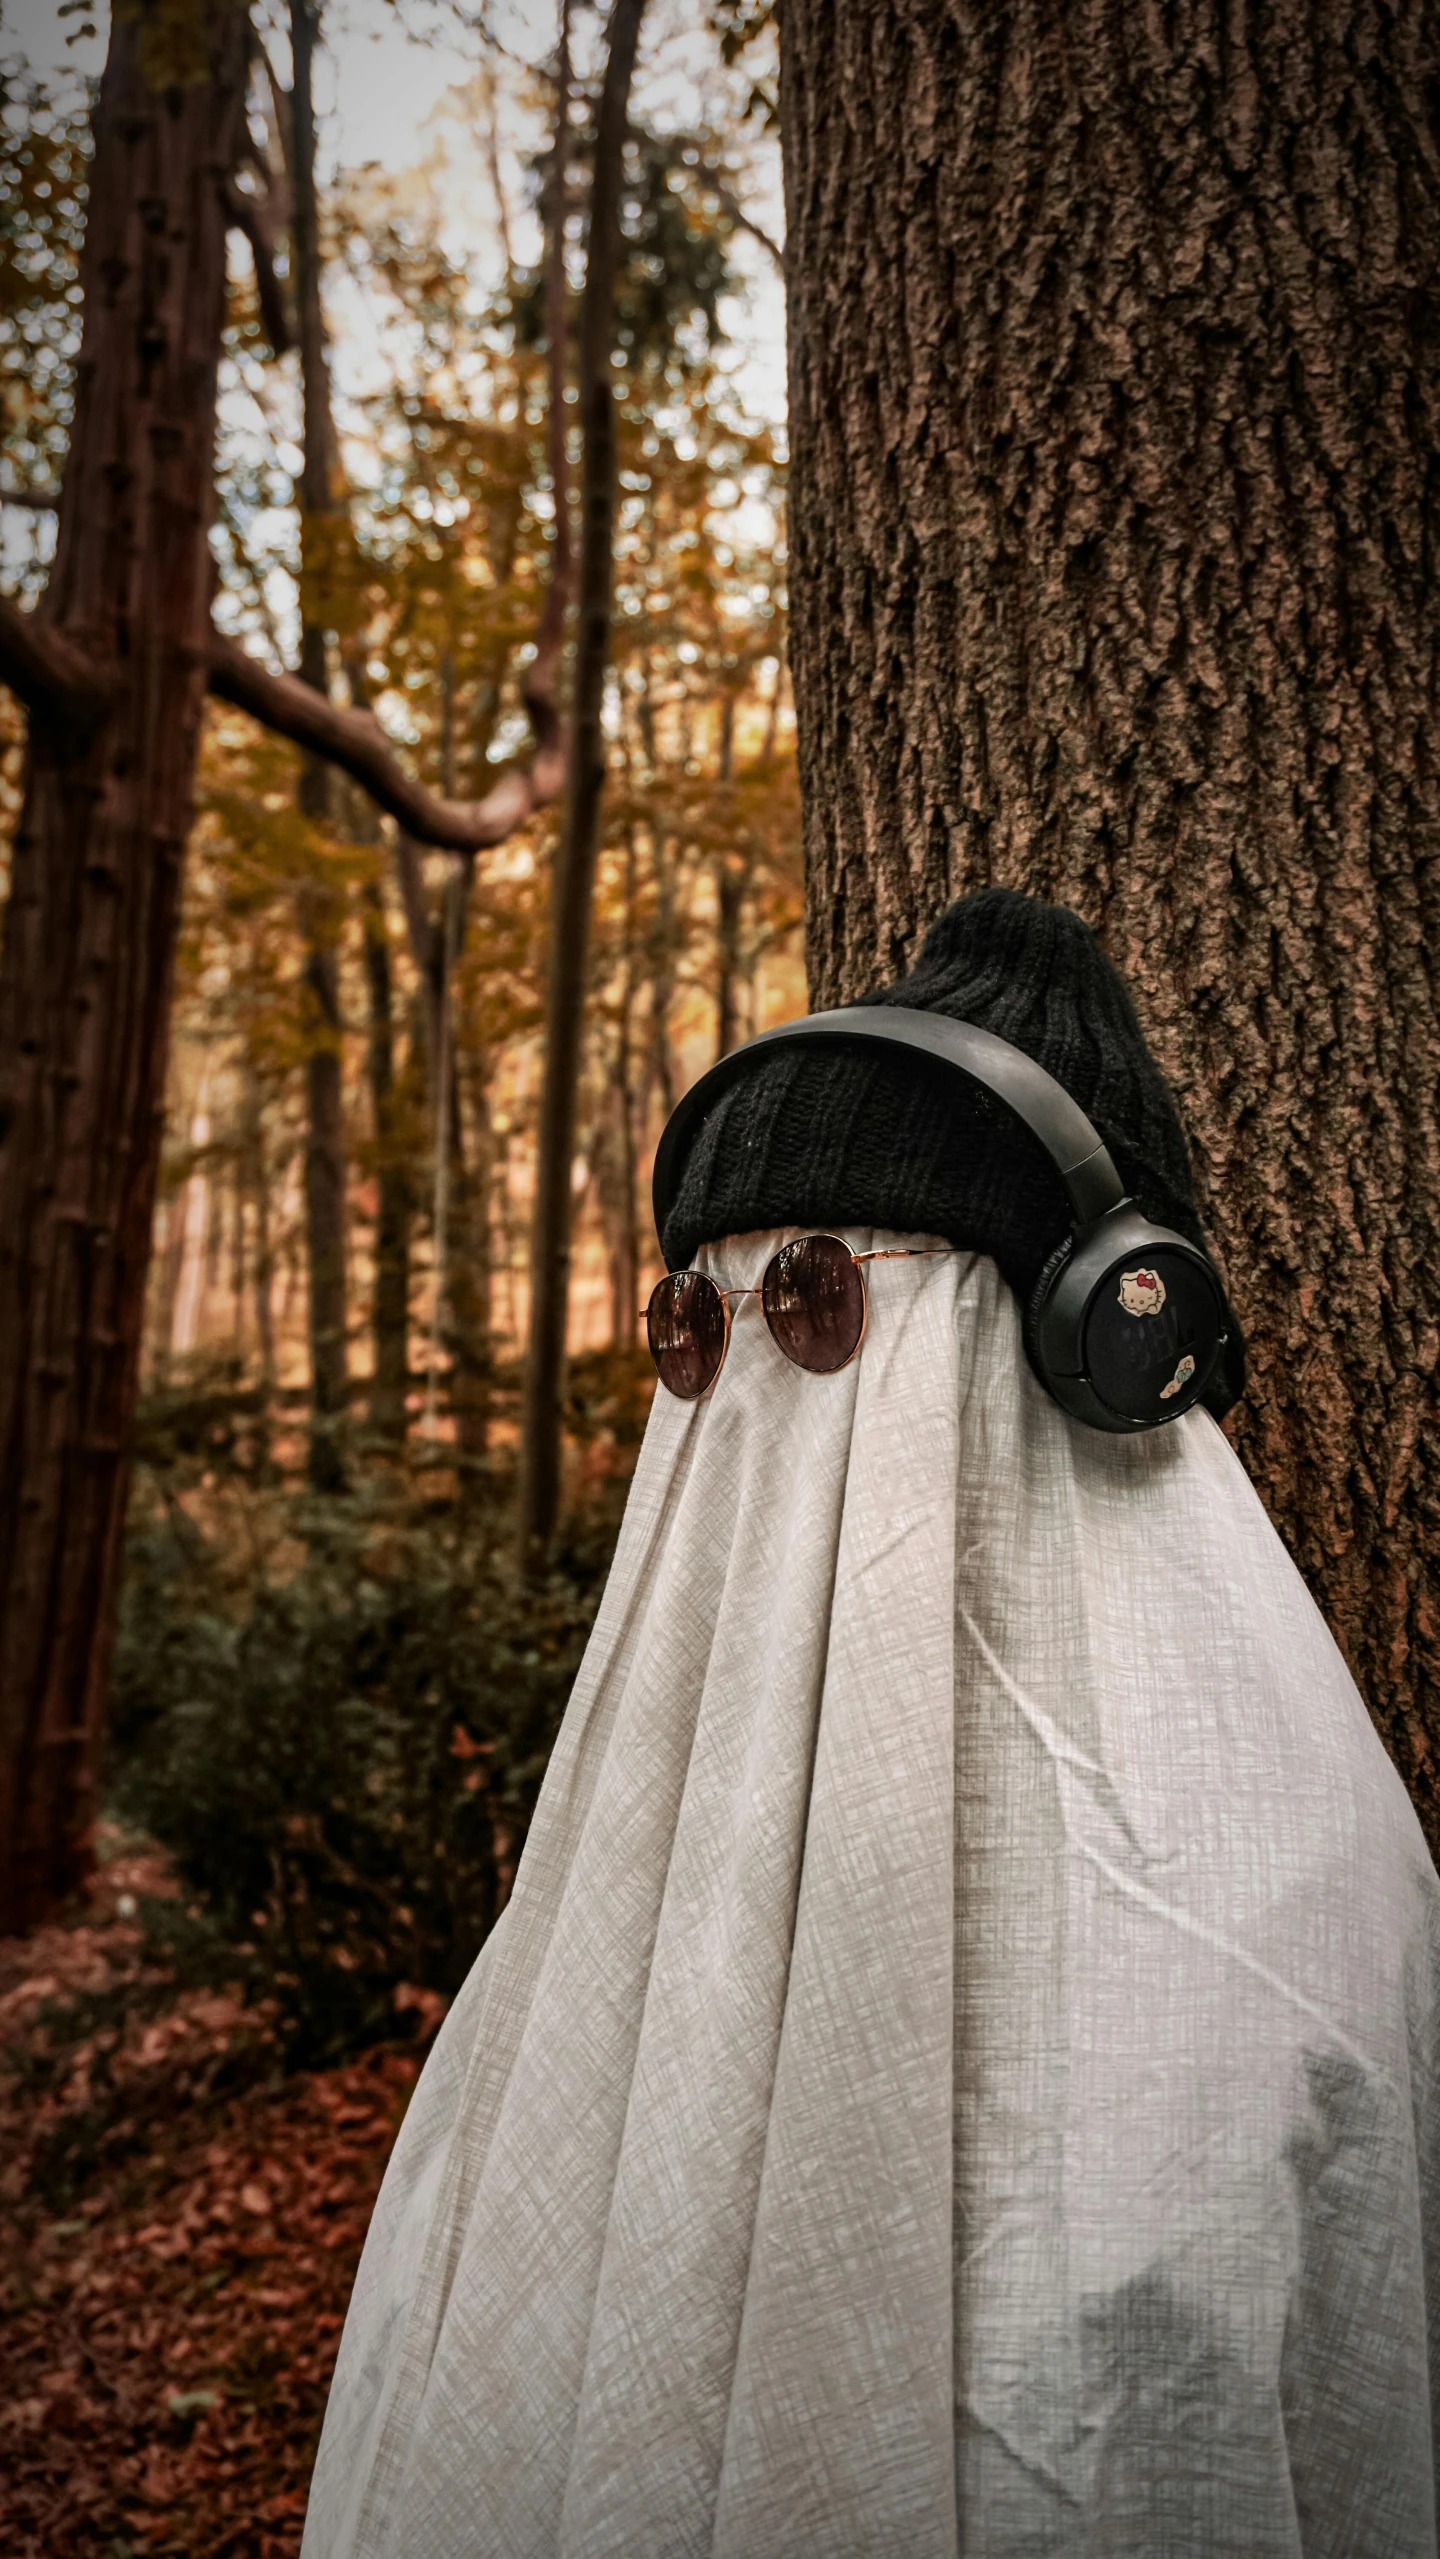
[[112, 666], [1114, 380]]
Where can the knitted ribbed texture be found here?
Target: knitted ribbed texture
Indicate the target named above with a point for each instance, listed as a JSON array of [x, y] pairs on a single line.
[[851, 1139]]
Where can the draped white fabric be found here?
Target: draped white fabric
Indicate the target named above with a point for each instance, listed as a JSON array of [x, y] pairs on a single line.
[[956, 2073]]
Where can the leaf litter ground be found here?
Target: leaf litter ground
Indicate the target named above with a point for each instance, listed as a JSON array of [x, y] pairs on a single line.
[[182, 2221]]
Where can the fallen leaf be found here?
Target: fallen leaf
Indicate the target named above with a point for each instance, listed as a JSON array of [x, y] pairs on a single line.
[[189, 2403]]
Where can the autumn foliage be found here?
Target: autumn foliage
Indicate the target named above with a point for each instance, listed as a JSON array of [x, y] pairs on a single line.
[[334, 1690], [184, 2225]]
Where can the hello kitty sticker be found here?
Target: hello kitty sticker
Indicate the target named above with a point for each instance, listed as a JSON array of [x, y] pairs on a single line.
[[1142, 1292]]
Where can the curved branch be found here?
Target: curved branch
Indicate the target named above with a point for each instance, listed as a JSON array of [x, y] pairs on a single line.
[[356, 742], [729, 202], [53, 679], [254, 217]]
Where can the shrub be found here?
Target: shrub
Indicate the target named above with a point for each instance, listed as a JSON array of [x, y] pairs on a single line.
[[335, 1716]]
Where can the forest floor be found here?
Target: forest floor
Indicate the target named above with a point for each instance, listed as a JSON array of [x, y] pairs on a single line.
[[182, 2220]]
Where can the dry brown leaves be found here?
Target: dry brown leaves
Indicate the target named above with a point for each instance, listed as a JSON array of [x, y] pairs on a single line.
[[181, 2231]]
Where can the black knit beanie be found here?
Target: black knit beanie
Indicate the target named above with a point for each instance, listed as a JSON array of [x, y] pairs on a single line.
[[869, 1139]]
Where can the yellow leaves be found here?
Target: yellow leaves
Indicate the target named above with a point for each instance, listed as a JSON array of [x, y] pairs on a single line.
[[333, 578]]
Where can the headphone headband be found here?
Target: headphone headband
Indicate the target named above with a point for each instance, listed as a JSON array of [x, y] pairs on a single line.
[[1127, 1326], [1078, 1154]]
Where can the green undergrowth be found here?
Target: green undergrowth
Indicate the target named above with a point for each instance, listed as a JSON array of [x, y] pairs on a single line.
[[334, 1713]]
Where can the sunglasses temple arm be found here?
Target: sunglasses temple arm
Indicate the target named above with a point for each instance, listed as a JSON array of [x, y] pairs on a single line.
[[907, 1252]]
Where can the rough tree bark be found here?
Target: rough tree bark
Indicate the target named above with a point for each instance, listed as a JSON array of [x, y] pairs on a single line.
[[320, 513], [580, 829], [85, 977], [1115, 383]]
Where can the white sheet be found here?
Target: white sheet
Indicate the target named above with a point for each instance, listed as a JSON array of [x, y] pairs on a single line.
[[956, 2073]]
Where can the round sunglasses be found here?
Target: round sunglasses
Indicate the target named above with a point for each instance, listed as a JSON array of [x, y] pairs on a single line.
[[813, 1297]]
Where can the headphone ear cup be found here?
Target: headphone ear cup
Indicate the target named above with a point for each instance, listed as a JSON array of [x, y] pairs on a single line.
[[1037, 1302], [1126, 1324]]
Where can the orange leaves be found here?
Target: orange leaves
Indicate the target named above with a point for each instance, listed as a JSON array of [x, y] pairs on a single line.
[[168, 2335]]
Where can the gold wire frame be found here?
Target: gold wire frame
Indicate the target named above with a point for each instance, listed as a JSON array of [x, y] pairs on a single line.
[[878, 1253]]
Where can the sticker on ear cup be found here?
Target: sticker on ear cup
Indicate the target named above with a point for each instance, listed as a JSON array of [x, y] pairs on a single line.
[[1182, 1377], [1142, 1292]]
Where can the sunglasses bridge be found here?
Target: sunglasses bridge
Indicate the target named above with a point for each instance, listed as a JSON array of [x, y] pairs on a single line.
[[711, 1363], [881, 1253]]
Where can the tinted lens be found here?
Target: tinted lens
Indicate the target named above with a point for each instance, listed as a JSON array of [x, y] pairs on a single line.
[[685, 1320], [814, 1300]]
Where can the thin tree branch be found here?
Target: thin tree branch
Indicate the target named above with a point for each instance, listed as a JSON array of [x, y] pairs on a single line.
[[356, 742], [41, 501], [51, 678], [278, 120], [256, 219], [497, 182], [730, 203]]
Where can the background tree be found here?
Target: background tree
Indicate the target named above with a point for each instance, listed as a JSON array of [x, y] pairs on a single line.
[[1114, 374], [322, 524], [112, 667], [574, 872]]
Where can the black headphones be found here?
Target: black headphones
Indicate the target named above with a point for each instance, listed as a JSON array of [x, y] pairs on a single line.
[[1128, 1325]]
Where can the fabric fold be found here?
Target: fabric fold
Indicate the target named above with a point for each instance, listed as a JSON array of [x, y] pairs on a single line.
[[957, 2070]]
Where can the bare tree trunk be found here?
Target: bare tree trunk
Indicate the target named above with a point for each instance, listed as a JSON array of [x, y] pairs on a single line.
[[492, 162], [1112, 521], [625, 1252], [468, 1288], [85, 980], [659, 1064], [462, 1240], [730, 886], [390, 1303], [660, 1075], [324, 1199], [319, 920], [550, 636], [580, 828], [257, 1178], [237, 1252], [170, 1219], [214, 1256]]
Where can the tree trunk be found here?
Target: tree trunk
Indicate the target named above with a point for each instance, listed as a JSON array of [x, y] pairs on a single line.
[[660, 1063], [625, 1247], [237, 1252], [1113, 388], [730, 887], [319, 920], [257, 1177], [468, 1276], [580, 827], [390, 1302], [85, 979], [168, 1252], [324, 1198]]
